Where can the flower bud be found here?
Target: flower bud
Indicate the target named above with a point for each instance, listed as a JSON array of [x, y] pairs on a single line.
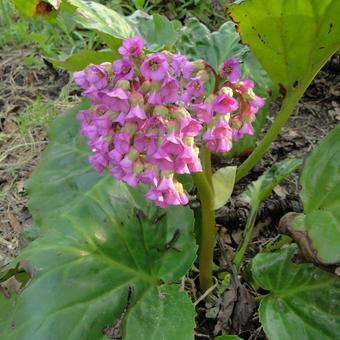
[[123, 84], [161, 110], [146, 86], [226, 90], [199, 65], [204, 75], [136, 99]]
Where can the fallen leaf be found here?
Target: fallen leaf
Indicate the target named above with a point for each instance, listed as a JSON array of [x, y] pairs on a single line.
[[14, 222]]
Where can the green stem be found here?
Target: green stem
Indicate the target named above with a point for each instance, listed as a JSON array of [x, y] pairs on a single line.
[[208, 227], [247, 235], [286, 110]]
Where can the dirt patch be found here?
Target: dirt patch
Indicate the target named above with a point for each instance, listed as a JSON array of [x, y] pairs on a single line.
[[20, 153]]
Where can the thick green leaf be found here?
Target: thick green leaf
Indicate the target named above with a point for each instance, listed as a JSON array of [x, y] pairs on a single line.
[[292, 39], [157, 30], [319, 225], [320, 179], [172, 312], [228, 337], [223, 182], [79, 60], [93, 15], [101, 243], [303, 302], [259, 190]]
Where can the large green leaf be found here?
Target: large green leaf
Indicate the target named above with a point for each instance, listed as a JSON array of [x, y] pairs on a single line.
[[303, 302], [157, 30], [105, 251], [93, 15], [319, 225], [79, 60], [292, 39]]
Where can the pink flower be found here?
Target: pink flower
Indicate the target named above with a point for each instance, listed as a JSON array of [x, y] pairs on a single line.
[[155, 98], [85, 116], [132, 47], [167, 192], [181, 66], [187, 162], [219, 137], [190, 127], [116, 99], [146, 142], [224, 103], [155, 67], [169, 91], [230, 70], [172, 144], [136, 113], [103, 123], [122, 141], [246, 129], [93, 76], [195, 87], [98, 162], [123, 69], [162, 159], [203, 111]]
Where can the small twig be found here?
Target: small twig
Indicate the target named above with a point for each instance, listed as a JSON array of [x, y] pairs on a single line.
[[206, 293]]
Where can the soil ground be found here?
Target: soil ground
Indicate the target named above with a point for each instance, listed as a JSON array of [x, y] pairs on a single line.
[[317, 113]]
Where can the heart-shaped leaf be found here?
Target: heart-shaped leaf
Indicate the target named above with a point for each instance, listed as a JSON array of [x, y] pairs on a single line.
[[105, 255], [303, 302], [223, 182], [291, 39], [318, 227]]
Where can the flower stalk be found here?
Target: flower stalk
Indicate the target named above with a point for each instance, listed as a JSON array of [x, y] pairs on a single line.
[[208, 226]]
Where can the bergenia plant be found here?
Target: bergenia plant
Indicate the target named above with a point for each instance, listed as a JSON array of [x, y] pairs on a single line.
[[116, 245], [151, 119]]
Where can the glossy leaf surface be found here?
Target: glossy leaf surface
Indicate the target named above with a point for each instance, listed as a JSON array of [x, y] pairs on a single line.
[[104, 251], [292, 39], [303, 302]]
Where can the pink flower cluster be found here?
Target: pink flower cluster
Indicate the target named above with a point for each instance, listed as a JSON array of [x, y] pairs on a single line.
[[149, 113]]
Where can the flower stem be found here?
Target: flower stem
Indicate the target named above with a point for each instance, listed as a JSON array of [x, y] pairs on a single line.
[[208, 225], [286, 110], [247, 235]]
